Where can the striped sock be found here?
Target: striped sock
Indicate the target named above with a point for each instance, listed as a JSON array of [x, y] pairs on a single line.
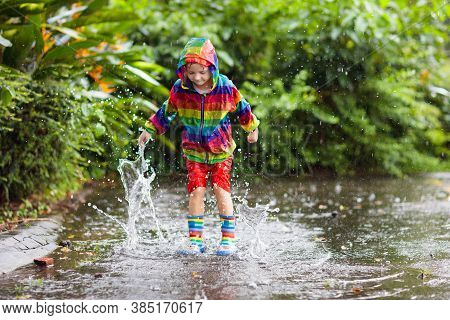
[[195, 224], [228, 226]]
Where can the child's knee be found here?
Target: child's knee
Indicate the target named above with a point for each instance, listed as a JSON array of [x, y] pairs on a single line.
[[198, 192], [220, 191]]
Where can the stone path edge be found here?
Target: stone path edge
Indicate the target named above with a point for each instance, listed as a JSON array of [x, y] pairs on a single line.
[[22, 245]]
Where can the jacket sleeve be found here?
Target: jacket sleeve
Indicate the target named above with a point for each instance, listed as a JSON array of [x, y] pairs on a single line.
[[160, 121], [248, 121]]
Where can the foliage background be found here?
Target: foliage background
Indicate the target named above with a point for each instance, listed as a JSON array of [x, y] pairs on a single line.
[[345, 86]]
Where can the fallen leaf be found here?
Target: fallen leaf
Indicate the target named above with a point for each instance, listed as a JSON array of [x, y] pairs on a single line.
[[65, 249], [44, 262], [435, 182], [357, 290]]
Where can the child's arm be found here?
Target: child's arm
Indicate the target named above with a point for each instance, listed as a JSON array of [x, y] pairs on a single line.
[[160, 121], [248, 121]]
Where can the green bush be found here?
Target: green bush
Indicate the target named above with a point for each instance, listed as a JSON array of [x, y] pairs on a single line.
[[346, 85], [42, 133], [69, 90]]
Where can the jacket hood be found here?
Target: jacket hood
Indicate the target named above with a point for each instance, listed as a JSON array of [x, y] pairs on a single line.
[[201, 51]]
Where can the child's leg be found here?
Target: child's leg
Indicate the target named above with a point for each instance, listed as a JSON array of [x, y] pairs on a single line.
[[196, 201], [221, 186], [195, 217], [196, 188], [224, 202], [220, 180], [195, 223], [227, 221]]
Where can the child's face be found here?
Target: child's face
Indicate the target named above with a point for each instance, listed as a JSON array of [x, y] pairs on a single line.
[[198, 74]]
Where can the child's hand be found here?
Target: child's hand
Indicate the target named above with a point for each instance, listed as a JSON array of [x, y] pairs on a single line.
[[144, 138], [253, 136]]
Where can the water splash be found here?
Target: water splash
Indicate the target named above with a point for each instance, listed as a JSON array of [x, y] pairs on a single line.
[[137, 185], [254, 217]]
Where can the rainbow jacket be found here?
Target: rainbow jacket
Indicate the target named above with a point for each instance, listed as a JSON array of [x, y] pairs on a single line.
[[206, 134]]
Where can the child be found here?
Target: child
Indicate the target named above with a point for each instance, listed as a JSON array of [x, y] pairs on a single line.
[[202, 98]]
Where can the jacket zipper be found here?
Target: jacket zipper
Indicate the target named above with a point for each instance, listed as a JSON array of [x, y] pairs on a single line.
[[202, 119]]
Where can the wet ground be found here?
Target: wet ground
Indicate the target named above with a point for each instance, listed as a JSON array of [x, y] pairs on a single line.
[[371, 238]]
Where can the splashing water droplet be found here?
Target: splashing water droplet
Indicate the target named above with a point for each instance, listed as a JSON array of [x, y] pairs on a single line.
[[138, 194], [254, 217], [137, 185]]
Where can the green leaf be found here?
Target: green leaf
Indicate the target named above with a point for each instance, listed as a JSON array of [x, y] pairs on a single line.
[[5, 95], [63, 53], [384, 3], [84, 44], [447, 10], [360, 24], [335, 32], [23, 41], [99, 130], [145, 103], [8, 4], [347, 18], [147, 66], [437, 136], [226, 58], [142, 75], [95, 6], [5, 42], [104, 16], [324, 116], [36, 21], [70, 32], [67, 52], [31, 8]]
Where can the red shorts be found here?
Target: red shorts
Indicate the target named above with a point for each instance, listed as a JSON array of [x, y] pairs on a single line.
[[219, 172]]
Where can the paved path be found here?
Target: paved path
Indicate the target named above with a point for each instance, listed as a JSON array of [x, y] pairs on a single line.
[[20, 246]]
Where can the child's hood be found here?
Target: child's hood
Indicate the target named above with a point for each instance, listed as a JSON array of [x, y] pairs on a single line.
[[201, 51]]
